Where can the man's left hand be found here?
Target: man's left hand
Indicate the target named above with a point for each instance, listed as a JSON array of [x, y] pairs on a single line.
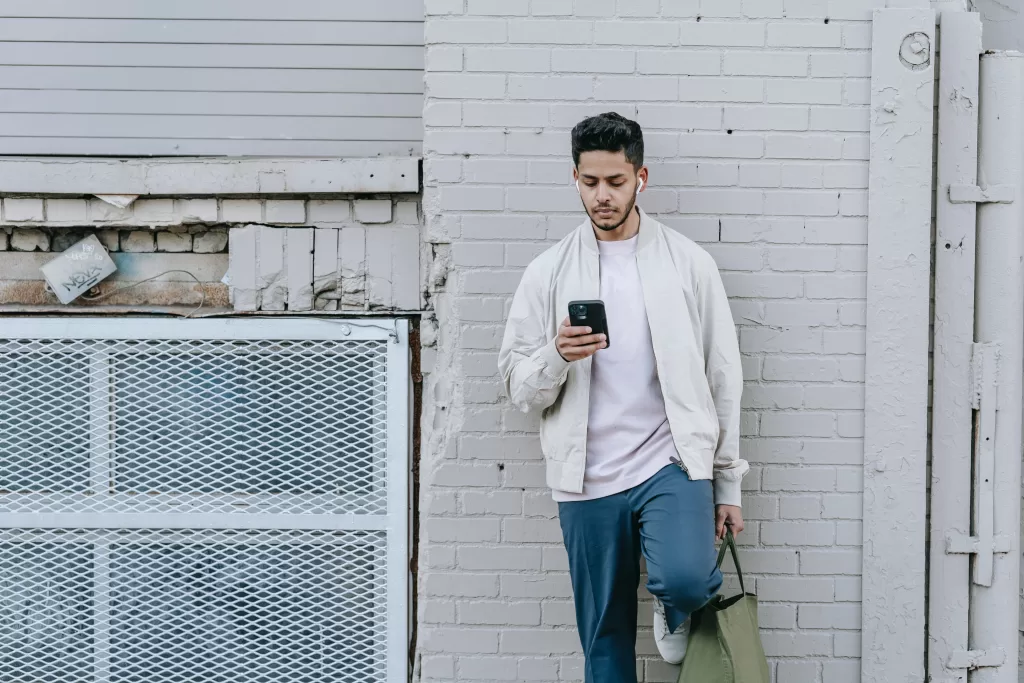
[[728, 516]]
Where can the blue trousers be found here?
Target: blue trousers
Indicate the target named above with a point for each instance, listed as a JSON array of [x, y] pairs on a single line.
[[671, 520]]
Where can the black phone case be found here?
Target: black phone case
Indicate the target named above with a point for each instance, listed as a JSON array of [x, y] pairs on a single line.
[[596, 319]]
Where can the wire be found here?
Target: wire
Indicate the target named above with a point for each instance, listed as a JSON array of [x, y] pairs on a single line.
[[202, 287]]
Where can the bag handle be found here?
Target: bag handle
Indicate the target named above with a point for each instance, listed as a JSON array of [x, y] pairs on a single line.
[[730, 544]]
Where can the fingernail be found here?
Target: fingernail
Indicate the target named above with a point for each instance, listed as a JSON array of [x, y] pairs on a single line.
[[589, 330]]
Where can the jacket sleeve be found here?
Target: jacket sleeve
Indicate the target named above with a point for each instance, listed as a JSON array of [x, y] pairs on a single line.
[[530, 365], [725, 378]]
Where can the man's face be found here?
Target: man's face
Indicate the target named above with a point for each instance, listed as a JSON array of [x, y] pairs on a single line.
[[608, 185]]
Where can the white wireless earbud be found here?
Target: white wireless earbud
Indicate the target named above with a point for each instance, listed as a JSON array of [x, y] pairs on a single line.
[[577, 186], [641, 186]]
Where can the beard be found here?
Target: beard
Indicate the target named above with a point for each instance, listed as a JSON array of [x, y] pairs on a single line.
[[612, 223]]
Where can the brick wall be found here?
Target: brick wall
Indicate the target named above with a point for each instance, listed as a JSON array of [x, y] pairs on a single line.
[[354, 254], [756, 121]]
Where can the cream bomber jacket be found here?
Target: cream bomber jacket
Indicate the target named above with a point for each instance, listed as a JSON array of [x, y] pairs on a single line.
[[695, 349]]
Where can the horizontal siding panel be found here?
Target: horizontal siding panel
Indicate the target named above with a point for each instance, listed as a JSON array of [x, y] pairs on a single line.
[[310, 10], [210, 103], [198, 77], [213, 56], [214, 32], [197, 127], [13, 146], [211, 80]]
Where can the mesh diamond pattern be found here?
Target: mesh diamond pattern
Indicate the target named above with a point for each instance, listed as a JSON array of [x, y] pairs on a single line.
[[175, 430], [158, 606], [193, 426]]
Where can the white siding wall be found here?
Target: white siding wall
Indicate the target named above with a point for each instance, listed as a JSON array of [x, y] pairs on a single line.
[[756, 119], [202, 77]]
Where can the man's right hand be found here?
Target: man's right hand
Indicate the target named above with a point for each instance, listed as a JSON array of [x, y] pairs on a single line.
[[577, 343]]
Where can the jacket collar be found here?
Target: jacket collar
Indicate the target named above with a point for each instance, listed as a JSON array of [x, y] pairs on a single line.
[[648, 230]]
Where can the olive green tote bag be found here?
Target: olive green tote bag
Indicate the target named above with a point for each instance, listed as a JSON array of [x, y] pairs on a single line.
[[725, 641]]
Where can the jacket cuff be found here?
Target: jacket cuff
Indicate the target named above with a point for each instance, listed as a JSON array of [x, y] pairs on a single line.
[[727, 492], [554, 365]]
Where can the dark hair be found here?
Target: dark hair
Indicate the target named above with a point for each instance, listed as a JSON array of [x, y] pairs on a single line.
[[609, 132]]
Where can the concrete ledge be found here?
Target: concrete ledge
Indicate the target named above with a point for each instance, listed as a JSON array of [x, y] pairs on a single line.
[[196, 177]]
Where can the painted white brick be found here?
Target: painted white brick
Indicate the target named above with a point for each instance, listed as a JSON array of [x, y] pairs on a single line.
[[492, 612], [438, 667], [813, 424], [808, 313], [554, 32], [721, 201], [465, 86], [802, 175], [720, 89], [770, 230], [539, 641], [802, 258], [710, 174], [796, 589], [458, 31], [329, 211], [800, 369], [792, 34], [636, 33], [154, 210], [286, 212], [798, 479], [858, 91], [804, 672], [66, 210], [516, 8], [760, 175], [458, 640], [442, 530], [786, 91], [846, 175], [761, 63], [444, 58], [675, 116], [848, 645], [853, 203], [23, 210], [836, 287], [856, 146], [443, 114], [551, 8], [586, 61], [550, 87], [461, 585], [503, 59], [494, 668], [721, 8], [802, 533], [173, 242], [784, 644], [803, 146], [841, 671], [776, 616], [800, 507], [837, 231], [780, 203], [438, 612], [531, 531], [772, 396], [841, 64], [857, 36], [717, 145], [766, 118], [722, 33], [853, 258], [767, 286], [537, 670], [372, 211], [241, 210], [680, 62], [141, 241], [637, 88], [854, 313]]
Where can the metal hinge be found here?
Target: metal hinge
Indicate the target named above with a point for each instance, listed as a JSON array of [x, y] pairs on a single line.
[[975, 659], [973, 194]]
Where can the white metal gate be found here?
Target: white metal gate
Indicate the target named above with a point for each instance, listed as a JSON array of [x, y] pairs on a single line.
[[203, 500]]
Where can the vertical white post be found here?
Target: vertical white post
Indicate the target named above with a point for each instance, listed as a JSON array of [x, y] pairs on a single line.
[[398, 503], [898, 304], [949, 574], [994, 616]]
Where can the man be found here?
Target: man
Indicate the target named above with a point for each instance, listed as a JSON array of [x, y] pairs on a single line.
[[641, 436]]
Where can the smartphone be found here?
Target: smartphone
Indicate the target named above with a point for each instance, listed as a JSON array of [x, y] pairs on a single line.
[[590, 314]]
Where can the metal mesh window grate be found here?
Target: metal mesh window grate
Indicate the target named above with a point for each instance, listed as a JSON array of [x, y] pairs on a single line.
[[202, 501]]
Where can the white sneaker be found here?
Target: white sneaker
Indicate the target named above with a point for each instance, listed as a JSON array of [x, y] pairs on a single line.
[[672, 646]]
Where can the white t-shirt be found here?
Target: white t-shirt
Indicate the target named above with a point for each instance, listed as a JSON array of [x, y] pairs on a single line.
[[628, 435]]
